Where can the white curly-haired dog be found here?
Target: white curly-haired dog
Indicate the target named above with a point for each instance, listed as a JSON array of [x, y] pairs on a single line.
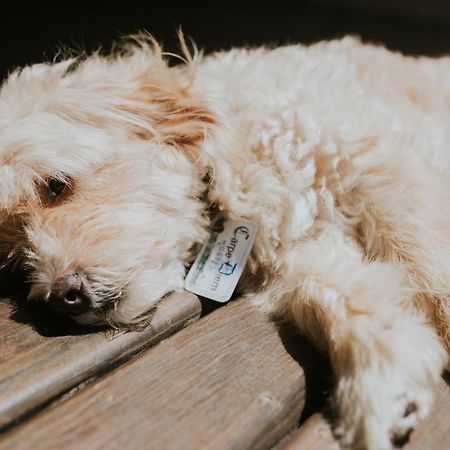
[[112, 169]]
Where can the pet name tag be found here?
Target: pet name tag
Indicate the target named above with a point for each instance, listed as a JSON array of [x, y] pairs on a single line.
[[219, 265]]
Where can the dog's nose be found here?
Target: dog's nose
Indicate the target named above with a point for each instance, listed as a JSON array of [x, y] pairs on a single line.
[[69, 296]]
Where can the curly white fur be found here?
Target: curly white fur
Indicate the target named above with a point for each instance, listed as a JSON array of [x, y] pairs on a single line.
[[339, 151]]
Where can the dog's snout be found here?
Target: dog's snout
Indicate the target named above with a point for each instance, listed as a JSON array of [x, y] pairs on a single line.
[[69, 296]]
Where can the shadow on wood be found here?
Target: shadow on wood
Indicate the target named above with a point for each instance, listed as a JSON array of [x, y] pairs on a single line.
[[317, 370], [43, 321], [14, 290]]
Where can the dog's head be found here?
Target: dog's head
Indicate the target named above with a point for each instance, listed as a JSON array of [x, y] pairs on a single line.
[[100, 180]]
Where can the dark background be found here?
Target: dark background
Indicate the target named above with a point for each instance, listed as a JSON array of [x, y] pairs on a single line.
[[412, 26]]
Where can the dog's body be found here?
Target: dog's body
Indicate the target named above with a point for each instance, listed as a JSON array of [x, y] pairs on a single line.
[[339, 152]]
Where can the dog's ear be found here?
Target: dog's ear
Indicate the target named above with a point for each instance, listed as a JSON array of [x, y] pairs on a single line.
[[154, 99], [177, 115]]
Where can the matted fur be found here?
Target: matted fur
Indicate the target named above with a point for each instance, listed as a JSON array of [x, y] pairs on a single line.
[[339, 151]]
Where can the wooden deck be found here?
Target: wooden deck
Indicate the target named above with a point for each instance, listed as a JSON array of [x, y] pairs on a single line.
[[232, 379]]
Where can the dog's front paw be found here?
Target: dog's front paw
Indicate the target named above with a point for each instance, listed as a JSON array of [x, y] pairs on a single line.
[[379, 409], [384, 391], [409, 413]]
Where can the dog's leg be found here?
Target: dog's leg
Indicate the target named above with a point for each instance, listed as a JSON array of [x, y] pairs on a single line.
[[385, 354], [407, 220]]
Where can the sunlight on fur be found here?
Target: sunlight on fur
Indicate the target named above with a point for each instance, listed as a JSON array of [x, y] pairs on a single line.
[[110, 166]]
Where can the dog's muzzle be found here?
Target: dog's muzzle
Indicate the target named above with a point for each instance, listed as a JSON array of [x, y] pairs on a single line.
[[68, 296]]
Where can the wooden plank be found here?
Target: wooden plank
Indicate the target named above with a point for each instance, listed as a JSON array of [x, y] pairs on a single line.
[[226, 382], [36, 368], [314, 434], [432, 433]]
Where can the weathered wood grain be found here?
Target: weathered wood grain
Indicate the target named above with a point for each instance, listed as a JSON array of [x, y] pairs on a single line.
[[35, 368], [432, 433], [225, 382]]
